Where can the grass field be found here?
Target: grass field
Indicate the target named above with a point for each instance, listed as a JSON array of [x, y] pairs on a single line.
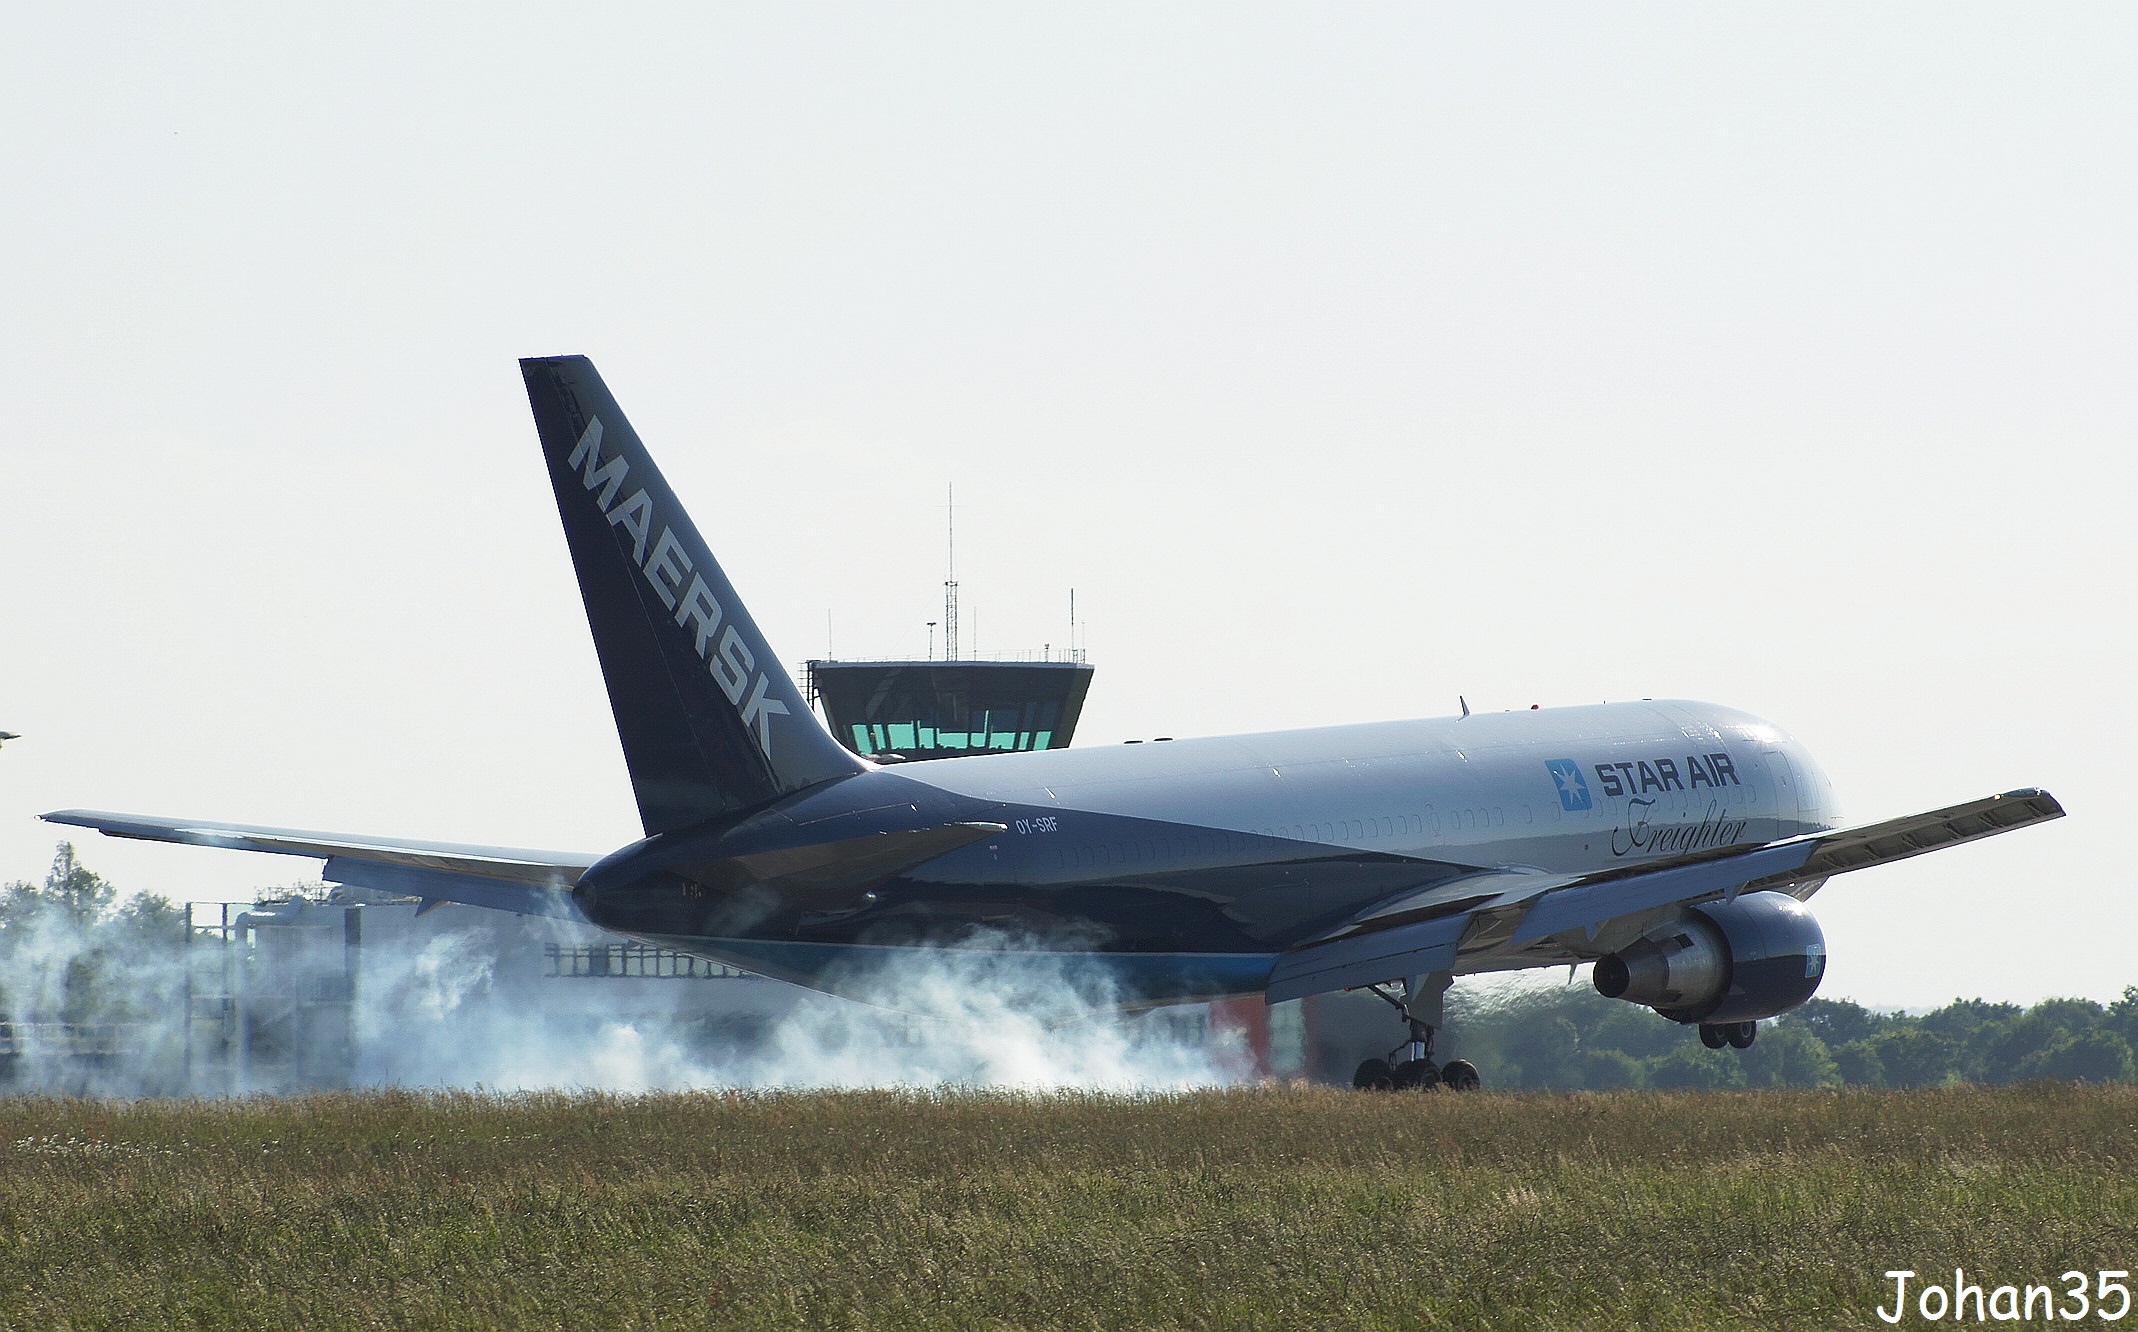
[[1263, 1208]]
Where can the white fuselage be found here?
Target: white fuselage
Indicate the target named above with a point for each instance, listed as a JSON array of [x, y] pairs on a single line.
[[1477, 789]]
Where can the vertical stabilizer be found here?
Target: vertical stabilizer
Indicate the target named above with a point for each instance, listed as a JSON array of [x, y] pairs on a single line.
[[710, 721]]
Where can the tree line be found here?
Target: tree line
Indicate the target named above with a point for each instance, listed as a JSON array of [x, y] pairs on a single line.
[[1573, 1038]]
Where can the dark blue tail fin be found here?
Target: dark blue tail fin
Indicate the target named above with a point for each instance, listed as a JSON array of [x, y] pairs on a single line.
[[709, 720]]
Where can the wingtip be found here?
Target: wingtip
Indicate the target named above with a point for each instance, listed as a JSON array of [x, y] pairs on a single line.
[[2039, 798]]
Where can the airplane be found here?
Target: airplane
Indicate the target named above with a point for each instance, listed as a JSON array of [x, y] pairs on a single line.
[[1672, 844]]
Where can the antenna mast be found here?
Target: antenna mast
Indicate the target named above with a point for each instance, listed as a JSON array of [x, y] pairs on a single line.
[[950, 584]]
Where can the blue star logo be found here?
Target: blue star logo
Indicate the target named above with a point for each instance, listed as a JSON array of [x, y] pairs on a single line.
[[1573, 787]]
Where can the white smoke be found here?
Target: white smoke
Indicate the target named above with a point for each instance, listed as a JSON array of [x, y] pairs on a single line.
[[975, 1016], [128, 1000], [988, 1014]]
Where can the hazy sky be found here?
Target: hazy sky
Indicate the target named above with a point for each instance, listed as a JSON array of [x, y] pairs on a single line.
[[1343, 358]]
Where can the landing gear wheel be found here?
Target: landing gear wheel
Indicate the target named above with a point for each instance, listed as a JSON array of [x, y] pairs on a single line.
[[1417, 1075], [1712, 1037], [1460, 1075], [1741, 1034], [1374, 1075]]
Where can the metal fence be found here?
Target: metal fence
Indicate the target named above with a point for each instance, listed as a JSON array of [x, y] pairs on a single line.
[[632, 960], [72, 1039]]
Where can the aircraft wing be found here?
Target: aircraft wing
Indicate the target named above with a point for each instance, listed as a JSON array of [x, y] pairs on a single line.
[[534, 883], [1421, 934]]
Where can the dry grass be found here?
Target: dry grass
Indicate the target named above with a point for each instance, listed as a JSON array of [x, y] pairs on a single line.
[[1270, 1208]]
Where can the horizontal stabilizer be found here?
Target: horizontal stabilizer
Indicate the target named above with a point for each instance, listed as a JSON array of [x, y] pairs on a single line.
[[436, 886], [502, 878]]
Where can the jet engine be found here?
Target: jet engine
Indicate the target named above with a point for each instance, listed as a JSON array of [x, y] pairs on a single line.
[[1740, 961]]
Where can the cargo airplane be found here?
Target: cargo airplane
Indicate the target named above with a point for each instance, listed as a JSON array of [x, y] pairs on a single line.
[[1670, 843]]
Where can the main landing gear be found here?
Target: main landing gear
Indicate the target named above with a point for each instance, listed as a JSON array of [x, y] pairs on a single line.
[[1737, 1035], [1410, 1066]]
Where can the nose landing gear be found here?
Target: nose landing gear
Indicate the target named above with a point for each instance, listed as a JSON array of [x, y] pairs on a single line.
[[1410, 1066]]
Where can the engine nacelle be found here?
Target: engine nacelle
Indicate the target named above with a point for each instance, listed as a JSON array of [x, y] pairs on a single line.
[[1740, 961]]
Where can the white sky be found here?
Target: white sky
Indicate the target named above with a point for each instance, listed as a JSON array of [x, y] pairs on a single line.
[[1343, 358]]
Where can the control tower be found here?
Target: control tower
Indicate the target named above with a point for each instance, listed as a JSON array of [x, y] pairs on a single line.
[[897, 711]]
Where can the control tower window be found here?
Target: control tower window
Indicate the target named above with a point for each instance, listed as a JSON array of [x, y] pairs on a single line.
[[895, 710]]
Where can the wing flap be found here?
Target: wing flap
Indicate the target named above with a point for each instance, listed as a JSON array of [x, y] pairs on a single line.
[[1367, 959], [1585, 905]]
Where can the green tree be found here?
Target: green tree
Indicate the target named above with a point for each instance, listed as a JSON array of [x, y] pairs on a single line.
[[1975, 1025], [1859, 1064], [70, 952], [70, 889], [2121, 1016], [149, 920], [1913, 1057], [1628, 1028], [1788, 1054], [1610, 1070], [1836, 1021], [2006, 1052], [1965, 1019], [1545, 1050], [1692, 1065], [2091, 1056]]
